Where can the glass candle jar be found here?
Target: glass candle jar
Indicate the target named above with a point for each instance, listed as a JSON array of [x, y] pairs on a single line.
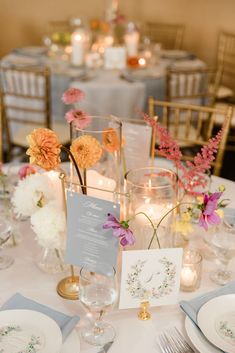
[[191, 270], [152, 195]]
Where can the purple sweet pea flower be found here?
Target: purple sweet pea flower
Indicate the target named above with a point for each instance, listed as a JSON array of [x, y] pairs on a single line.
[[120, 230], [209, 216]]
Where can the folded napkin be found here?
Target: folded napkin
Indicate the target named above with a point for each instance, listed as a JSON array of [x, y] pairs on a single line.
[[192, 307], [65, 322]]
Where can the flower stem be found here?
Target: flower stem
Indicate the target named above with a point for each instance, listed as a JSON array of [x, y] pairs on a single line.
[[76, 167], [161, 219], [60, 260], [154, 229], [85, 180]]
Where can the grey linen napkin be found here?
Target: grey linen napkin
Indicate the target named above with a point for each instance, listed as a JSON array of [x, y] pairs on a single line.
[[65, 322], [192, 307]]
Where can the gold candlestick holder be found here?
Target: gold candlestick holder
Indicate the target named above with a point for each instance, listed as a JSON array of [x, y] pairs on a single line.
[[68, 287], [143, 313]]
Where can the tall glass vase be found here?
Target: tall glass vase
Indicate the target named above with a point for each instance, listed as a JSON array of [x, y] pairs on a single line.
[[97, 151], [152, 194]]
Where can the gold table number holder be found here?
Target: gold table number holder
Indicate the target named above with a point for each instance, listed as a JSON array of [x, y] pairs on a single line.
[[143, 313], [68, 286]]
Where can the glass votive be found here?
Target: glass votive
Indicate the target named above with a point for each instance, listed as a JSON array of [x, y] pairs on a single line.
[[191, 270]]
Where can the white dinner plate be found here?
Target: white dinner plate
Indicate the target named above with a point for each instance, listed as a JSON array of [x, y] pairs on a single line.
[[198, 339], [216, 320], [28, 331], [174, 54], [72, 343], [32, 51]]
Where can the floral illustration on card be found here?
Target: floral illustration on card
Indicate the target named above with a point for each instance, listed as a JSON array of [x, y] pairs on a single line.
[[141, 286]]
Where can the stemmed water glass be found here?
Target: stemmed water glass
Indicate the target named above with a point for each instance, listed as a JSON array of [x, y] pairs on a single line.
[[5, 233], [98, 293], [222, 242]]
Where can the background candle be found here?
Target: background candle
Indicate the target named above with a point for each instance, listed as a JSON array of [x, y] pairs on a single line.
[[131, 41], [78, 48]]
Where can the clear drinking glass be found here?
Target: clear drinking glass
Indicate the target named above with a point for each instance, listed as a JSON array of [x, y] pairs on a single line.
[[5, 233], [222, 242], [98, 293]]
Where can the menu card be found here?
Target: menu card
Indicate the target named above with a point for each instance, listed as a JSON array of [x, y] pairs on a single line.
[[137, 144], [88, 244]]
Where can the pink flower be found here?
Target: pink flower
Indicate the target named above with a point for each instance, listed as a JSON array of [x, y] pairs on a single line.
[[79, 118], [209, 206], [120, 230], [26, 170], [72, 95], [189, 171]]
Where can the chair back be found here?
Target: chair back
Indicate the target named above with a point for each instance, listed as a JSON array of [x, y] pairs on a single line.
[[1, 128], [26, 100], [192, 126], [194, 86], [169, 35], [226, 58]]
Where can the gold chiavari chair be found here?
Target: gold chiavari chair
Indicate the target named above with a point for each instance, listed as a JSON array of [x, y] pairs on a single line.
[[192, 126], [169, 35], [1, 128], [226, 62], [27, 105], [194, 86]]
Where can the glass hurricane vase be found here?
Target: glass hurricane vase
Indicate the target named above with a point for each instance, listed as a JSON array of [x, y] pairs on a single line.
[[97, 151], [152, 194]]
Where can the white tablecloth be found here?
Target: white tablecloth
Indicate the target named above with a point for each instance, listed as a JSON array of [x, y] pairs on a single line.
[[106, 93], [132, 334]]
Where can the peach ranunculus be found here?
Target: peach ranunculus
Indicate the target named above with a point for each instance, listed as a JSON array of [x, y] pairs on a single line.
[[86, 150], [110, 140], [79, 118], [26, 170], [44, 148]]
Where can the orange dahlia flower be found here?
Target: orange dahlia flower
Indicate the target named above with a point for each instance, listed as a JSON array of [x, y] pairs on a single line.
[[110, 140], [44, 148], [86, 150]]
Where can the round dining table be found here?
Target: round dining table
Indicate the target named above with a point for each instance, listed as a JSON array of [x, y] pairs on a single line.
[[131, 333], [120, 92]]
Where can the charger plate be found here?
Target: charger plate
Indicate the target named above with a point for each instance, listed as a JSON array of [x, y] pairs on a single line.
[[216, 320], [26, 331]]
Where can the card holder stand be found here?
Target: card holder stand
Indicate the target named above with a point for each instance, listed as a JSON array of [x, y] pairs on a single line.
[[68, 287]]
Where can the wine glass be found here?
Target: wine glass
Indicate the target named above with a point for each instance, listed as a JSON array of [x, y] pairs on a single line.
[[98, 293], [222, 242], [5, 233]]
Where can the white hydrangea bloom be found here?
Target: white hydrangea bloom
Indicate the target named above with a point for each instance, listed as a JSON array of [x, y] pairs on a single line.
[[49, 225], [31, 193]]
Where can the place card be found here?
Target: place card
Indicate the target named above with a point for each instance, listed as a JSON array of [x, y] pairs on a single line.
[[150, 275], [137, 144], [88, 244]]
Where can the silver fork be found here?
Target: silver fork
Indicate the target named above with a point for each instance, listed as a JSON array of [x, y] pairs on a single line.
[[173, 341]]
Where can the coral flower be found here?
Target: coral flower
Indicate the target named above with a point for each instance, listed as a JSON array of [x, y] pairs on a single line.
[[110, 140], [120, 230], [79, 118], [209, 207], [44, 148], [72, 95], [86, 150], [26, 170]]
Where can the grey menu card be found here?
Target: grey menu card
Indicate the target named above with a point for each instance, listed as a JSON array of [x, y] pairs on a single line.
[[88, 244]]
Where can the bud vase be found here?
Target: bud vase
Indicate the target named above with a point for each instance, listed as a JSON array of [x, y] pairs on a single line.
[[51, 260]]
